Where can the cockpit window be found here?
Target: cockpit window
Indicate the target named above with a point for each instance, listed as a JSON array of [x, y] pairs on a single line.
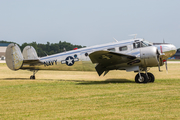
[[146, 43], [139, 44]]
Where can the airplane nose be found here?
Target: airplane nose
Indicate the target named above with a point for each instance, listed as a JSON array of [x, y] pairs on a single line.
[[170, 50], [174, 49]]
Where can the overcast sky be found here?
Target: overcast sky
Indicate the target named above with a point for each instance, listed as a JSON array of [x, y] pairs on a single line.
[[89, 22]]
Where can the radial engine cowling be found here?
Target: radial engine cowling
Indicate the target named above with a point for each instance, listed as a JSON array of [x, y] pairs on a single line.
[[149, 56]]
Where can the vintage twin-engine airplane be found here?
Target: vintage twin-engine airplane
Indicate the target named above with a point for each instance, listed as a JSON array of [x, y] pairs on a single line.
[[131, 55]]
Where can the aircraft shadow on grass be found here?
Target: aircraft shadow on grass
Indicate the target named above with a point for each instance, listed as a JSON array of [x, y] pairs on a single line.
[[14, 79], [108, 81], [81, 82]]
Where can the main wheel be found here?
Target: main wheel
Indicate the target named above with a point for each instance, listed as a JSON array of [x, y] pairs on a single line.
[[143, 80], [151, 77]]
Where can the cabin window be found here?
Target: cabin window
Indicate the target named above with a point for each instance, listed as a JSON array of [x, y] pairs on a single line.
[[123, 48], [111, 49]]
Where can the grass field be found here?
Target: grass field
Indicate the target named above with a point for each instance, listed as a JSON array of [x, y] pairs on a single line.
[[84, 95]]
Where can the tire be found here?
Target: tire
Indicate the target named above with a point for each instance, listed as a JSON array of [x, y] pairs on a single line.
[[151, 77], [144, 78], [32, 77]]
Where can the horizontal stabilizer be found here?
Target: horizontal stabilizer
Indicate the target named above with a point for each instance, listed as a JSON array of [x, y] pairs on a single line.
[[30, 61]]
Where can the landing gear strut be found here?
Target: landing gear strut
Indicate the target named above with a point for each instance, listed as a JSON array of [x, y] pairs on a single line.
[[33, 76]]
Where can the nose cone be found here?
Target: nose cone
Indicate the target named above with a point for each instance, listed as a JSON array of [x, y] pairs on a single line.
[[169, 50], [174, 49]]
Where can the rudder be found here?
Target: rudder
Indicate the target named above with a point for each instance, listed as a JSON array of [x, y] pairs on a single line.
[[14, 57], [29, 53]]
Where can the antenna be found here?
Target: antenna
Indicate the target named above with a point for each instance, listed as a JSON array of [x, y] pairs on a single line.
[[163, 40], [45, 53], [115, 39], [133, 35]]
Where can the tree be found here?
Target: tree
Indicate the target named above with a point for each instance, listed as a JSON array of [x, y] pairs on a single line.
[[49, 48]]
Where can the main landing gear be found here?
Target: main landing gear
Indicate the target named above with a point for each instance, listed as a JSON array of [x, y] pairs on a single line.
[[33, 76], [144, 77]]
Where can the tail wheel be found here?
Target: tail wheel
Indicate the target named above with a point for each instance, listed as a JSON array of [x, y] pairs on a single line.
[[151, 77], [143, 78], [32, 77]]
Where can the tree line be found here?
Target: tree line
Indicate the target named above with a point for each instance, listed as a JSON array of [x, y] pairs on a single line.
[[48, 48]]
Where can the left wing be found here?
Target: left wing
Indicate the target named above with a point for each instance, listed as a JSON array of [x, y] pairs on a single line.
[[106, 58]]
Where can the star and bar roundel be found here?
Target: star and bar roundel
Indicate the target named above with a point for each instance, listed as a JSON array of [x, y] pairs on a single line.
[[69, 61]]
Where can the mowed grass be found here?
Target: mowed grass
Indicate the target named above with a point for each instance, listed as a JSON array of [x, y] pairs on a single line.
[[85, 95]]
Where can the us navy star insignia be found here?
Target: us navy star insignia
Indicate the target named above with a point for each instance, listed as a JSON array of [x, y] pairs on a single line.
[[69, 61]]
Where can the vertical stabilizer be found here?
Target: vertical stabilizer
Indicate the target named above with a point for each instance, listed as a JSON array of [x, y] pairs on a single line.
[[14, 58], [29, 53]]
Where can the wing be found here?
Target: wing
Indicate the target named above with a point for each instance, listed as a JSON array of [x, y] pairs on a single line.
[[106, 58]]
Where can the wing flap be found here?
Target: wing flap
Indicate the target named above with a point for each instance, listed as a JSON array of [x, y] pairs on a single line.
[[100, 69]]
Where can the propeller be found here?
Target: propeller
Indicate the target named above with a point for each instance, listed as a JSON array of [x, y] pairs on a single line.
[[166, 66], [158, 59], [165, 61]]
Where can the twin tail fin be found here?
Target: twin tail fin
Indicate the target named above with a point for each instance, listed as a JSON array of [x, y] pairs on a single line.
[[14, 57]]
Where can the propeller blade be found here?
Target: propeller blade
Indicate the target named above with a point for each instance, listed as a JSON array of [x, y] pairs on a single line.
[[159, 67], [158, 59], [166, 66]]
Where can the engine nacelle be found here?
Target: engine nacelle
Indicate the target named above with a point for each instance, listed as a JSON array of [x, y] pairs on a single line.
[[149, 56], [14, 57]]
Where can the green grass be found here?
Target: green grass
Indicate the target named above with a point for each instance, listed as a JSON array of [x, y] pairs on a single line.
[[84, 95]]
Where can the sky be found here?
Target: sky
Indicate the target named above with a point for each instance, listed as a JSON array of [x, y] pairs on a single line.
[[89, 22]]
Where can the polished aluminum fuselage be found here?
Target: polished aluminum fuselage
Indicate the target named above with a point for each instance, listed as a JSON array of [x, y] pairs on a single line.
[[79, 59]]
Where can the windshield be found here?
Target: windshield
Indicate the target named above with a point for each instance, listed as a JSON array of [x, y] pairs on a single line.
[[146, 43]]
